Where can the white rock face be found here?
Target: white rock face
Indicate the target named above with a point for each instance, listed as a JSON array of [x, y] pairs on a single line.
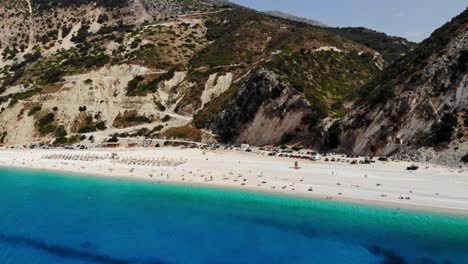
[[215, 86], [105, 95], [178, 78], [329, 48], [437, 88]]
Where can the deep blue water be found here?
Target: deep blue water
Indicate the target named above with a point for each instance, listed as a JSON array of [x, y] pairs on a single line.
[[51, 218]]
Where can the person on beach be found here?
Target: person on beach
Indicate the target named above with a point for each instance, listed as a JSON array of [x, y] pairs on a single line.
[[296, 165]]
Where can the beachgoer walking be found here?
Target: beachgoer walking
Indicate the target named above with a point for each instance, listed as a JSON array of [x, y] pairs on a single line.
[[296, 165]]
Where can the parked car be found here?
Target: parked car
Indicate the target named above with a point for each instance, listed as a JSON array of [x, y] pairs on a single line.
[[412, 168]]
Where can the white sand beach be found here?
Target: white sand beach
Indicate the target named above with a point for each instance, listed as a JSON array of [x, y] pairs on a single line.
[[385, 183]]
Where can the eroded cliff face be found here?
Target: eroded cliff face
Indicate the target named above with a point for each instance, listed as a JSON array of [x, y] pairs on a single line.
[[422, 101], [262, 112], [72, 69]]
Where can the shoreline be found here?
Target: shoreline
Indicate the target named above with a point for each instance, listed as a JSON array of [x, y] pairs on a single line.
[[359, 198], [277, 193]]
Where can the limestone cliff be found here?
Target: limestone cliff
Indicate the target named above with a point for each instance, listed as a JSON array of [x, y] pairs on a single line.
[[420, 101], [262, 112]]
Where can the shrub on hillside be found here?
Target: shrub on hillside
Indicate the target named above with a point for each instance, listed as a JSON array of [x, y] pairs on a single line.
[[113, 139], [166, 118], [444, 129], [34, 110], [46, 124], [465, 158]]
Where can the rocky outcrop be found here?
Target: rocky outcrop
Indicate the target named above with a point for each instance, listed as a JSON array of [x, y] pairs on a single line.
[[262, 112], [248, 76], [421, 101]]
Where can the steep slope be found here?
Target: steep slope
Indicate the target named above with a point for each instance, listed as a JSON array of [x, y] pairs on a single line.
[[295, 18], [71, 76], [218, 2], [71, 71], [28, 25], [306, 59], [287, 98], [420, 101], [391, 48]]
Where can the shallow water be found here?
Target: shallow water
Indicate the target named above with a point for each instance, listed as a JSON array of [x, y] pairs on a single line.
[[51, 218]]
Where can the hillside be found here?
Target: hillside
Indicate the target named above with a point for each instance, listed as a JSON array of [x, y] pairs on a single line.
[[391, 48], [420, 101], [195, 70], [295, 18]]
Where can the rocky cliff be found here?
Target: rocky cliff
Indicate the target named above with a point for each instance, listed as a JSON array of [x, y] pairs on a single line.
[[76, 71], [262, 112], [420, 101]]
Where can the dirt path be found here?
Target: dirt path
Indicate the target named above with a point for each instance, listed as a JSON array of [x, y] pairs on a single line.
[[31, 22], [103, 77], [206, 13]]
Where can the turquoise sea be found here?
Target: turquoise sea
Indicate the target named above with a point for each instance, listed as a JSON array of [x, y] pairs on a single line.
[[62, 218]]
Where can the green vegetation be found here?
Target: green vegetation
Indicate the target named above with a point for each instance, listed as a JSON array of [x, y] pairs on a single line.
[[87, 61], [51, 75], [157, 128], [465, 118], [332, 139], [87, 124], [286, 138], [34, 110], [443, 130], [167, 118], [130, 118], [27, 94], [103, 18], [46, 124], [3, 136], [120, 27], [13, 102], [391, 48], [381, 88], [465, 158], [9, 54], [203, 118], [137, 119], [61, 136], [325, 78], [113, 139], [187, 132], [132, 87], [138, 87], [160, 106], [66, 30], [101, 125], [199, 79], [82, 33], [92, 127], [45, 5], [234, 41]]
